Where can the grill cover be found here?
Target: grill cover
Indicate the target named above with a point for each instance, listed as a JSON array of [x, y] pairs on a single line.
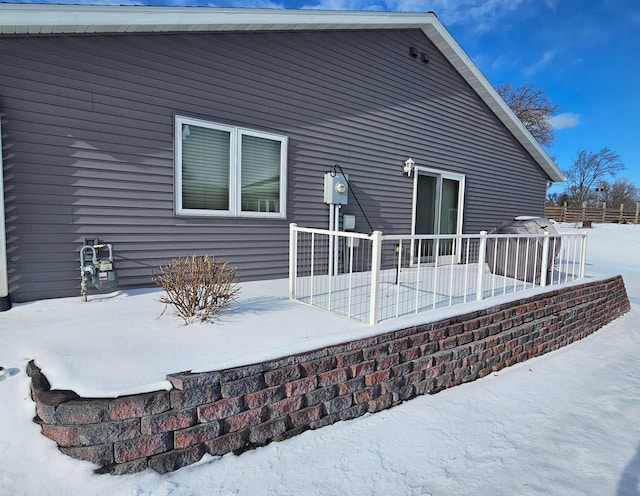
[[521, 258]]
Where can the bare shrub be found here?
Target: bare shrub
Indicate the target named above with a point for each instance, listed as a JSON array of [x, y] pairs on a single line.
[[198, 286]]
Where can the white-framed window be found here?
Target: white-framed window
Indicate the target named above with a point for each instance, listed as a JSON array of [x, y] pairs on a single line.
[[227, 170]]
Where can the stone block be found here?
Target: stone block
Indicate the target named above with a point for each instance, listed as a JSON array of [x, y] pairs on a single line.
[[139, 405], [301, 386], [48, 401], [189, 380], [318, 396], [337, 404], [263, 397], [331, 377], [267, 431], [63, 435], [243, 386], [108, 432], [351, 386], [220, 409], [243, 372], [401, 369], [350, 358], [101, 455], [377, 377], [284, 407], [362, 369], [243, 420], [367, 395], [429, 348], [387, 362], [419, 338], [200, 433], [382, 402], [83, 411], [282, 375], [226, 444], [124, 468], [375, 351], [448, 343], [315, 367], [353, 412], [173, 460], [194, 397], [140, 447], [306, 416], [168, 421], [398, 345]]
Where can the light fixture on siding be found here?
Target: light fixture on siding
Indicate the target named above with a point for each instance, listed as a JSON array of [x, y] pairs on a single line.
[[408, 166]]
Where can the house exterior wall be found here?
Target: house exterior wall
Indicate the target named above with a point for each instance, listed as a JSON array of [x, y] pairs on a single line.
[[88, 143]]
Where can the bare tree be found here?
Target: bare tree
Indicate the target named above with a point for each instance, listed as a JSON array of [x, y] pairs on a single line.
[[587, 171], [619, 192], [533, 108]]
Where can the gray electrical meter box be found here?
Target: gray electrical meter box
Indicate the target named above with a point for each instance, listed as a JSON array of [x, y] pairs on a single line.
[[349, 222], [336, 189]]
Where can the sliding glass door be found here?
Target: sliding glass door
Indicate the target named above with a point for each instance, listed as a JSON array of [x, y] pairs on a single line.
[[438, 199]]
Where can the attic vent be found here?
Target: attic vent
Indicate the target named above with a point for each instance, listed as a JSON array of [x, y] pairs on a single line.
[[415, 53]]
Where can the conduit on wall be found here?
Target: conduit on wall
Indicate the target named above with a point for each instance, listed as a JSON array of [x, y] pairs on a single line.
[[5, 300]]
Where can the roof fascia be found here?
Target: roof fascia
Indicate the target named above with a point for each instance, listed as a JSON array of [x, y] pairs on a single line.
[[52, 19]]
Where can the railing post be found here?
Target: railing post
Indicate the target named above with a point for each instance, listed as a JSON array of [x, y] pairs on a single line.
[[564, 212], [293, 260], [376, 258], [583, 255], [482, 248], [637, 217], [621, 215], [604, 212], [544, 265]]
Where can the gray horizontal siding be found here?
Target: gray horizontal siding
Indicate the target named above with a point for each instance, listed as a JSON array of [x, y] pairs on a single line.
[[88, 132]]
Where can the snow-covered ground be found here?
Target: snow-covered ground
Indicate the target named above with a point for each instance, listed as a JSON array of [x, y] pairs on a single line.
[[565, 423]]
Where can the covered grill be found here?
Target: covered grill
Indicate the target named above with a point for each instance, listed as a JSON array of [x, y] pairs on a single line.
[[521, 258]]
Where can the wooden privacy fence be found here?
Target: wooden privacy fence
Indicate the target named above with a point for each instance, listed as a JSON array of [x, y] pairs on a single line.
[[593, 214]]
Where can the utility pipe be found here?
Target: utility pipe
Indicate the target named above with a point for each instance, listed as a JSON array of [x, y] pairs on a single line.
[[5, 299]]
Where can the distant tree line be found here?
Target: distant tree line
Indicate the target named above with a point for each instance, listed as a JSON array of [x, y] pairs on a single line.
[[591, 182], [591, 179]]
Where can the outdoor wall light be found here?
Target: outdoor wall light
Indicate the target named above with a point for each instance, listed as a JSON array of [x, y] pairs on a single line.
[[408, 166]]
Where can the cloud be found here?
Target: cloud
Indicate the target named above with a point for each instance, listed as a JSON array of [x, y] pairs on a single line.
[[547, 57], [481, 15], [345, 5], [564, 120]]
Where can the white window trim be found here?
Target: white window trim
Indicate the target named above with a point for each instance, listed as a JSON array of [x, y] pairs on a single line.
[[235, 170]]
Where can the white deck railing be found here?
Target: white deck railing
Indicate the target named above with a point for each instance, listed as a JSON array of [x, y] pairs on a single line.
[[377, 277]]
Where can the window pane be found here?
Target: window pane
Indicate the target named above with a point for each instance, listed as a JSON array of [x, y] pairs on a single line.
[[260, 172], [205, 168]]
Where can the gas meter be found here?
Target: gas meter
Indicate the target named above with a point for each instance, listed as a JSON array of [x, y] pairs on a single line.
[[98, 270]]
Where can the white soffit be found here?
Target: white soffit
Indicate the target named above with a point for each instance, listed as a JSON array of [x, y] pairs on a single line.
[[40, 19]]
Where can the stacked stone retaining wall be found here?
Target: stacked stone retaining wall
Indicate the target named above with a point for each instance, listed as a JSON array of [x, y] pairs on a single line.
[[237, 409]]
